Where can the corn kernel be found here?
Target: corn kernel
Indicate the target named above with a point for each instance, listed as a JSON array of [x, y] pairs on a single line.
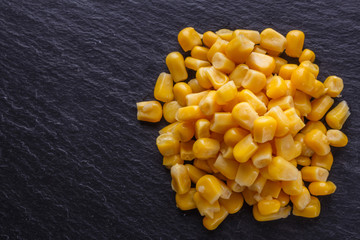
[[312, 210], [293, 162], [236, 188], [169, 161], [319, 107], [195, 64], [244, 149], [189, 113], [334, 86], [322, 188], [325, 161], [186, 152], [276, 88], [271, 188], [307, 54], [303, 161], [213, 223], [284, 102], [216, 77], [208, 104], [181, 182], [259, 49], [202, 128], [314, 174], [204, 207], [262, 63], [163, 90], [202, 78], [249, 196], [264, 129], [282, 170], [311, 67], [189, 38], [254, 81], [226, 93], [238, 74], [338, 115], [184, 131], [268, 207], [225, 34], [259, 184], [222, 63], [246, 174], [234, 135], [318, 89], [195, 98], [185, 201], [233, 204], [221, 122], [149, 111], [181, 89], [300, 201], [302, 103], [245, 115], [195, 86], [168, 144], [209, 188], [200, 52], [291, 89], [219, 46], [294, 43], [305, 150], [293, 187], [226, 191], [310, 125], [262, 97], [239, 48], [279, 62], [176, 65], [169, 111], [252, 35], [286, 70], [282, 121], [287, 148], [169, 128], [295, 122], [246, 95], [283, 212], [227, 167], [272, 40], [209, 38], [194, 173], [317, 141], [206, 148], [202, 165], [283, 199], [336, 138]]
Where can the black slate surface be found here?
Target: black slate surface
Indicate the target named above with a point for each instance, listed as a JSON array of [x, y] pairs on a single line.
[[75, 163]]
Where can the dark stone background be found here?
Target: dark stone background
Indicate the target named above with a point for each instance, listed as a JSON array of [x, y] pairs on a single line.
[[74, 161]]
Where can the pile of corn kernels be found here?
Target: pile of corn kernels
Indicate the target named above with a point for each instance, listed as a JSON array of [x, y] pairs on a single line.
[[248, 127]]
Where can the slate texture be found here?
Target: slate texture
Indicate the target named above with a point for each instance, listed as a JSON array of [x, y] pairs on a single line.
[[75, 163]]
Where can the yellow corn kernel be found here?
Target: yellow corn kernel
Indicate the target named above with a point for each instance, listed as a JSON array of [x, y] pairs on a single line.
[[259, 49], [319, 107], [202, 78], [228, 107], [181, 182], [294, 43], [282, 121], [176, 65], [195, 98], [226, 93], [286, 70], [208, 104], [189, 113], [211, 162], [311, 67], [246, 95], [284, 102], [271, 188], [181, 89], [293, 162], [317, 141], [264, 129], [186, 150], [225, 34], [169, 128], [246, 174], [202, 128], [305, 150], [283, 212], [195, 86], [279, 62], [276, 88], [261, 62], [314, 174], [272, 40], [234, 135], [184, 131], [213, 223], [318, 89], [338, 115], [307, 54], [222, 63], [283, 199], [219, 46], [262, 97], [295, 122], [245, 115], [303, 161], [163, 90], [206, 148], [195, 64], [259, 184], [325, 161], [272, 53], [149, 111], [302, 103], [236, 188], [282, 170], [209, 38], [334, 86], [300, 201], [185, 201], [312, 210], [204, 207], [244, 149], [199, 52], [336, 138], [287, 148], [249, 196], [291, 89], [304, 80], [226, 191], [252, 35], [265, 173], [233, 204], [263, 155], [169, 161], [239, 48], [293, 187], [221, 122], [310, 125], [238, 74], [189, 38], [169, 111], [168, 144], [268, 207], [209, 188], [216, 77], [254, 81], [194, 173], [227, 167], [322, 188], [202, 165]]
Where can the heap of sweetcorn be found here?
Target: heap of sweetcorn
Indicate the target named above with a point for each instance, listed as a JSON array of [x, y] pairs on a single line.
[[240, 124]]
